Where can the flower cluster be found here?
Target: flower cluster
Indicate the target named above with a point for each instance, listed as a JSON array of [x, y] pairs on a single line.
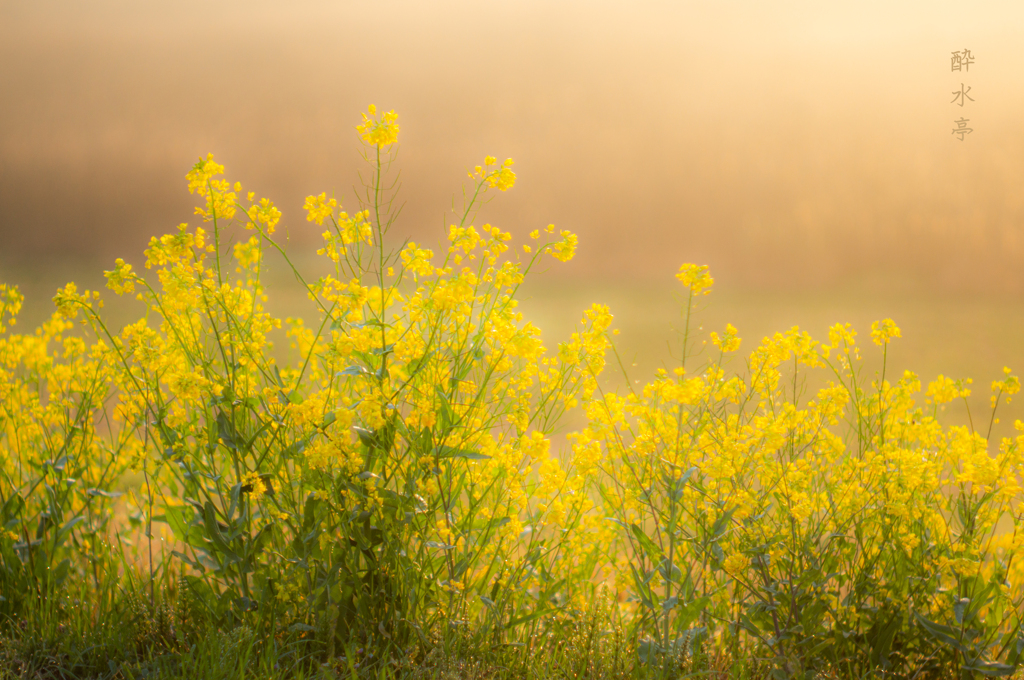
[[733, 490], [379, 132]]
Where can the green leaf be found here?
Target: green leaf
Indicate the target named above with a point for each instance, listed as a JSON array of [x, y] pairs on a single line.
[[309, 513], [12, 508], [44, 524], [643, 589], [881, 642], [549, 592], [669, 571], [941, 633], [61, 572], [213, 531], [416, 364], [226, 432], [189, 561], [720, 524], [66, 529], [746, 624], [58, 464], [388, 349], [103, 493], [179, 517], [654, 553], [367, 437], [447, 414], [41, 562], [989, 668], [451, 452], [647, 651], [526, 619], [439, 546], [329, 418], [959, 607], [649, 547], [687, 614]]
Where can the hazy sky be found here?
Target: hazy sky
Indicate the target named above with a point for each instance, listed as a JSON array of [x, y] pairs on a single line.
[[783, 143]]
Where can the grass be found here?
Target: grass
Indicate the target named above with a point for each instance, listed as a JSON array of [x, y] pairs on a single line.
[[124, 635]]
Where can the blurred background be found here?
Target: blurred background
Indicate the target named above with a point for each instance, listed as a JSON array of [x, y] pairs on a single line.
[[803, 150]]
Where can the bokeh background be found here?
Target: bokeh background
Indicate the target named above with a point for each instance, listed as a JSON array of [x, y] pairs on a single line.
[[803, 150]]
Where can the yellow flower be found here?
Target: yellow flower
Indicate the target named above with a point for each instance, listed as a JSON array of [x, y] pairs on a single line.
[[696, 277], [1009, 386], [10, 304], [201, 173], [535, 446], [417, 260], [728, 343], [944, 390], [842, 334], [566, 248], [255, 485], [379, 132], [735, 564], [264, 214], [883, 331], [187, 384], [319, 208], [120, 279], [248, 253], [503, 178], [68, 300], [220, 199]]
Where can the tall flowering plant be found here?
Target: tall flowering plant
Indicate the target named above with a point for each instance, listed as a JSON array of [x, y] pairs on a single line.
[[60, 454], [397, 477], [848, 531]]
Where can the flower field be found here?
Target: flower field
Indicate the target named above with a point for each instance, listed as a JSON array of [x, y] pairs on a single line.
[[372, 488]]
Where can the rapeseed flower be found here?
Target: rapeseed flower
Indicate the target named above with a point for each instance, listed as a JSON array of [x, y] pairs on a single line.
[[503, 178], [566, 248], [319, 208], [120, 279], [11, 300], [943, 390], [264, 216], [379, 132], [696, 277], [883, 331], [729, 342]]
